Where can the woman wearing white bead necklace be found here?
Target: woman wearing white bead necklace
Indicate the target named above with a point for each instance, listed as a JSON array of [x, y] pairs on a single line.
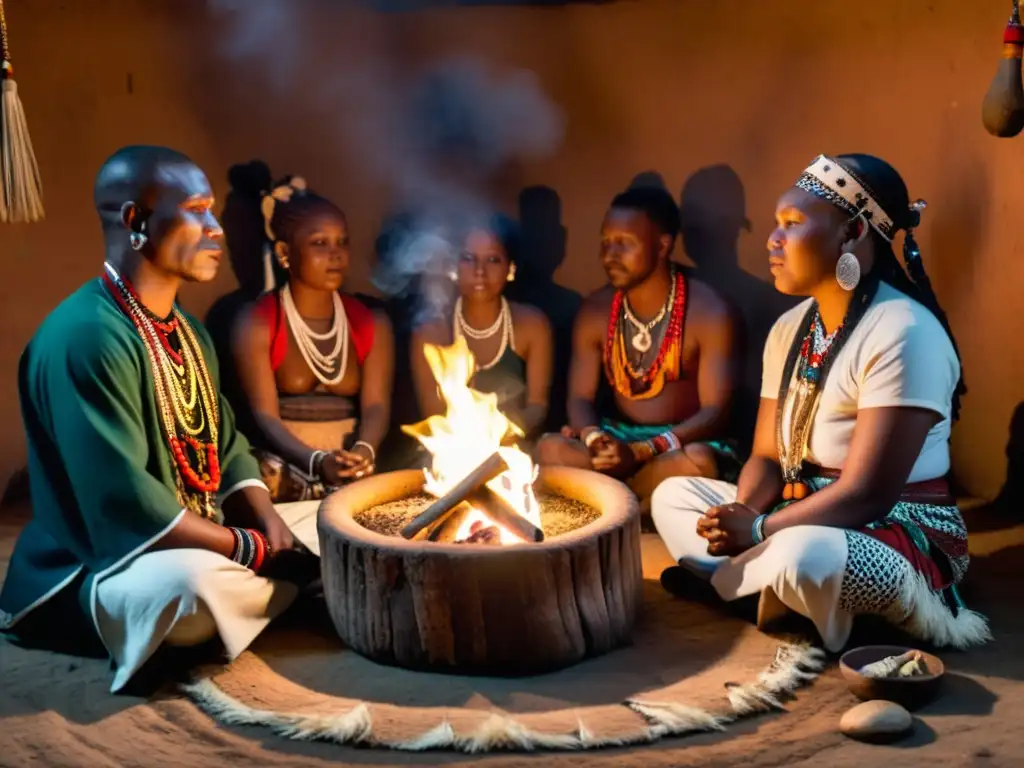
[[306, 351], [511, 342]]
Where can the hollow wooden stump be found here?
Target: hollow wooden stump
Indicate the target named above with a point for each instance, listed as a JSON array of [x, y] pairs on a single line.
[[513, 610]]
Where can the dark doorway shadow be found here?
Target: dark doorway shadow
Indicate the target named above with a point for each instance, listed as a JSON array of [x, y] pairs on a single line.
[[242, 220], [713, 212], [544, 239], [1010, 501]]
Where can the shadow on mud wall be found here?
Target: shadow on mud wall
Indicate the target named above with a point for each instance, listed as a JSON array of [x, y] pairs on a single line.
[[544, 239], [713, 214]]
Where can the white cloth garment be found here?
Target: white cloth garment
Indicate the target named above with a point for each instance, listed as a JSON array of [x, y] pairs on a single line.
[[802, 569], [187, 596], [899, 355]]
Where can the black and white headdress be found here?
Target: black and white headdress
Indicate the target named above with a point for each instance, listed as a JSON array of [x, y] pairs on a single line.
[[828, 179]]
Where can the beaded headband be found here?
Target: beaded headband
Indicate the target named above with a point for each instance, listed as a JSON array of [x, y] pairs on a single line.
[[281, 193], [828, 179]]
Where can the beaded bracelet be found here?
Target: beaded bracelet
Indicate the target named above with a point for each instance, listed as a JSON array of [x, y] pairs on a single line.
[[757, 529], [315, 460], [251, 548], [663, 443], [367, 446]]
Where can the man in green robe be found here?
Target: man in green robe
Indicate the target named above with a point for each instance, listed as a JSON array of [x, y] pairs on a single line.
[[129, 540]]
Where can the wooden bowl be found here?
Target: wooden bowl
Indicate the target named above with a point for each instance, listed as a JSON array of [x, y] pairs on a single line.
[[909, 692]]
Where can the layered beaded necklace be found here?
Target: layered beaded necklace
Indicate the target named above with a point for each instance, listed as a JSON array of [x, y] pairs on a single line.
[[811, 355], [185, 396], [503, 324], [329, 368], [640, 382]]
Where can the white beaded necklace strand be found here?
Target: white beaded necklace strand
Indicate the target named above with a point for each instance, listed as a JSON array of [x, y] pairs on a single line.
[[320, 364], [460, 327]]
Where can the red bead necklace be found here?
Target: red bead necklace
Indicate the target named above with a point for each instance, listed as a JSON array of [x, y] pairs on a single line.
[[616, 359], [204, 478]]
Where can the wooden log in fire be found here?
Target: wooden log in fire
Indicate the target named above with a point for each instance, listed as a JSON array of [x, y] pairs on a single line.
[[448, 528], [504, 514], [492, 466]]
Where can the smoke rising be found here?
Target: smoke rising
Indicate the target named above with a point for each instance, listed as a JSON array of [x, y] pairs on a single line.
[[436, 136]]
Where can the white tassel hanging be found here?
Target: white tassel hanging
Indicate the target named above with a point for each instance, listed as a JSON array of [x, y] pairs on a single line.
[[21, 188]]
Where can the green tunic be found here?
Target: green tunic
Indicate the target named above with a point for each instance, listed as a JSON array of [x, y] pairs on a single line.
[[101, 474]]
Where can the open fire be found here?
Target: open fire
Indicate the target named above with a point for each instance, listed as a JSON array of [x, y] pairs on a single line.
[[472, 472]]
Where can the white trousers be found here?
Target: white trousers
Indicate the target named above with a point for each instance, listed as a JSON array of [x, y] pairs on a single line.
[[188, 596], [800, 568]]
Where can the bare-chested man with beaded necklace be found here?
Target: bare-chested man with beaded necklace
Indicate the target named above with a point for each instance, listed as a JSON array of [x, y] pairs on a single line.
[[666, 345], [150, 524]]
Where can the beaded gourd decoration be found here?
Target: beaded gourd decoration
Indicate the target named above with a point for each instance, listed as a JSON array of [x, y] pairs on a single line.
[[1002, 111], [185, 395]]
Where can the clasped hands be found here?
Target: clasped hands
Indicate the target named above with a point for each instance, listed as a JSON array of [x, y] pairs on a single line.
[[608, 455], [341, 465], [728, 529]]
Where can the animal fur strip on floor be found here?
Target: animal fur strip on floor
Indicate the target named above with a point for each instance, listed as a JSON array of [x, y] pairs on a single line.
[[794, 666]]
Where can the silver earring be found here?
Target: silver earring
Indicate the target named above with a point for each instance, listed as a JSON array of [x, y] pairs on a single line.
[[848, 271], [453, 277], [137, 240]]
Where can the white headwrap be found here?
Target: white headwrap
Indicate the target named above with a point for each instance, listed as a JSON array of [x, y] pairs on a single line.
[[281, 193]]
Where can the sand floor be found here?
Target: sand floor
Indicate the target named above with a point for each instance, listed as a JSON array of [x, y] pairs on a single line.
[[55, 710]]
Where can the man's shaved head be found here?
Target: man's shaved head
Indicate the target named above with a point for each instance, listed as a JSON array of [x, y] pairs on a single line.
[[131, 174], [161, 199]]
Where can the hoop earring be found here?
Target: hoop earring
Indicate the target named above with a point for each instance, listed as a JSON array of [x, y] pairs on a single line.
[[137, 240], [848, 271], [511, 273]]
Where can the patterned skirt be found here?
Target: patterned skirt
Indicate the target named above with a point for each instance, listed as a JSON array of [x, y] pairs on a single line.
[[905, 568], [932, 538]]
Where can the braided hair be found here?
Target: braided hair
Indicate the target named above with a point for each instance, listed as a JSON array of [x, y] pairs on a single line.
[[890, 192]]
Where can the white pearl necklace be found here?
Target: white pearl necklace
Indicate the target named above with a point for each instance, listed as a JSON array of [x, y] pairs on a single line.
[[460, 328], [320, 364]]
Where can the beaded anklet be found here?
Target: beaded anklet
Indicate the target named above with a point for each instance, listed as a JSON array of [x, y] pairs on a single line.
[[251, 548]]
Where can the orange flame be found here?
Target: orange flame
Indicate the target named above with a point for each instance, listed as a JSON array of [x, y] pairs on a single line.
[[471, 430]]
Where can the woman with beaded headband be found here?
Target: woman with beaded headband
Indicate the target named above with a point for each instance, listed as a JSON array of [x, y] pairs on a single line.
[[310, 357], [150, 524], [511, 343], [844, 506]]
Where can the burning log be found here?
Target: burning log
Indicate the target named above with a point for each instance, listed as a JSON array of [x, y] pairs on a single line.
[[493, 466], [504, 514], [446, 530], [489, 535]]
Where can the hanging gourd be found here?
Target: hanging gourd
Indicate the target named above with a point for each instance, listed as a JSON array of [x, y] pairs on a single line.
[[21, 189], [1002, 112]]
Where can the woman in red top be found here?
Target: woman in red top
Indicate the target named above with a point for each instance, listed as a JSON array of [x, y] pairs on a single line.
[[311, 358]]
